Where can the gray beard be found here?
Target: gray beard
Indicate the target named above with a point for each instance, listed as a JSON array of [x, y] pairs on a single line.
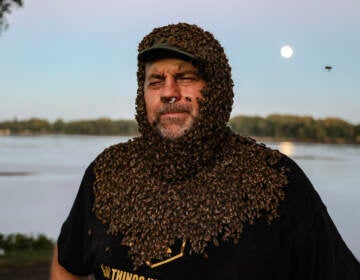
[[170, 134], [183, 126]]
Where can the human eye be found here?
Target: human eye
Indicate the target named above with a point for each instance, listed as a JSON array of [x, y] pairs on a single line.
[[188, 77], [154, 82]]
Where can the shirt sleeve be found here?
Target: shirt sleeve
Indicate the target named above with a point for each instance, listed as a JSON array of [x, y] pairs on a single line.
[[319, 250], [75, 242]]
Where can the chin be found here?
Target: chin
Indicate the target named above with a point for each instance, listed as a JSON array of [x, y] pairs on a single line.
[[173, 134]]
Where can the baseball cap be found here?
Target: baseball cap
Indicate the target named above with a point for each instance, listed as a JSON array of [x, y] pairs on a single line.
[[163, 49]]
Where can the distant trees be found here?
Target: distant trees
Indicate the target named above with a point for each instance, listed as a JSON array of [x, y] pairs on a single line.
[[33, 125], [5, 8], [301, 128], [20, 242], [101, 126], [298, 128]]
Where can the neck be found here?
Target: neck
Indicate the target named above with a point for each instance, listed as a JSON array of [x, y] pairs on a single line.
[[185, 156]]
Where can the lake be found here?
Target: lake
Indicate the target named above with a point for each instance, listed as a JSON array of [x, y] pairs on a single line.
[[40, 176]]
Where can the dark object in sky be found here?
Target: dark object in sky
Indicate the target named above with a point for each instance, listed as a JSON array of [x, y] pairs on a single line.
[[328, 68]]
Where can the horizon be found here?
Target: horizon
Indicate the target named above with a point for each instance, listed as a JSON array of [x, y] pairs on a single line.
[[133, 119]]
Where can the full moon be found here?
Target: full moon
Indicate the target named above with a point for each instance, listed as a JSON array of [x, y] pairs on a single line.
[[286, 52]]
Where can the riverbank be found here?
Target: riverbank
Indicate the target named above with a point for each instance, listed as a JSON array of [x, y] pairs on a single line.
[[15, 173], [260, 139]]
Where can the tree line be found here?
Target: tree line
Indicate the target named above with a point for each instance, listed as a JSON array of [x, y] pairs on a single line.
[[276, 126], [298, 128], [102, 126], [17, 242]]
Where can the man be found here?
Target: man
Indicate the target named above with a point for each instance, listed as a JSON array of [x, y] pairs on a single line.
[[189, 198]]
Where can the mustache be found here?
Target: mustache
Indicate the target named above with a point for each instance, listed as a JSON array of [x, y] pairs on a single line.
[[171, 108], [174, 108]]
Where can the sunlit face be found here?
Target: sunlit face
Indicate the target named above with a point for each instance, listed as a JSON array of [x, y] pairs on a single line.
[[171, 89]]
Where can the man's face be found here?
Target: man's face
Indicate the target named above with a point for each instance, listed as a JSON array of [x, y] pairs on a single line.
[[171, 89]]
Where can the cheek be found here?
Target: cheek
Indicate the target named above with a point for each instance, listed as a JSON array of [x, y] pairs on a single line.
[[196, 108], [195, 101], [150, 107]]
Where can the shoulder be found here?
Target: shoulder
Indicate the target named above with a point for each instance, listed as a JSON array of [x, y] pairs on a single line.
[[302, 204], [117, 156], [119, 148], [300, 189], [250, 148]]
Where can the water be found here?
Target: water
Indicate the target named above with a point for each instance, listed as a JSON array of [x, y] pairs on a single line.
[[38, 202]]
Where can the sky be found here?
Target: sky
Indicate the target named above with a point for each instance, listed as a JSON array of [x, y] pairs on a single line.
[[77, 59]]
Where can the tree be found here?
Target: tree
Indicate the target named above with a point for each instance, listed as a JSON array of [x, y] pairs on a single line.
[[5, 8]]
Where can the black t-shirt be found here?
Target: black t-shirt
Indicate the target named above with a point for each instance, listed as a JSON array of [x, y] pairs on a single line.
[[303, 243]]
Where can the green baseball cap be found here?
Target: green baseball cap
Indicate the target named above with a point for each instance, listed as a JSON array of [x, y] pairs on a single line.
[[163, 49]]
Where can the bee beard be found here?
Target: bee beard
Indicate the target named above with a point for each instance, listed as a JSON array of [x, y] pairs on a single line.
[[173, 127]]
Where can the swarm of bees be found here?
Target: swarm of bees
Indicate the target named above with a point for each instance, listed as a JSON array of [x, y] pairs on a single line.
[[152, 191]]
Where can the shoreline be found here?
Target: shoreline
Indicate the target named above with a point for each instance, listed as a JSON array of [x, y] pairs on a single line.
[[15, 173], [259, 139]]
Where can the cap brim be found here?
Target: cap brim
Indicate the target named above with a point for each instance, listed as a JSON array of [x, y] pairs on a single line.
[[164, 51]]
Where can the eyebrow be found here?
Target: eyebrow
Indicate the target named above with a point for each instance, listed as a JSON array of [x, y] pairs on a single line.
[[180, 73], [155, 76]]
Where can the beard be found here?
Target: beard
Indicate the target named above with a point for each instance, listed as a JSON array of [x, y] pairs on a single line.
[[174, 127]]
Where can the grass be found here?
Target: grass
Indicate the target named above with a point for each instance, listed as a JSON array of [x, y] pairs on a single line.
[[21, 257], [23, 265]]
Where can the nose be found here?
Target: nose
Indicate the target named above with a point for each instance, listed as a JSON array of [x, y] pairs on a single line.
[[170, 91]]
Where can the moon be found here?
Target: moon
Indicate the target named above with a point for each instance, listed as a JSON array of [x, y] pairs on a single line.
[[286, 51]]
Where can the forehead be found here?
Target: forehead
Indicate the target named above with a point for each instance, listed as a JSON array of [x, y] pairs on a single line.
[[168, 65]]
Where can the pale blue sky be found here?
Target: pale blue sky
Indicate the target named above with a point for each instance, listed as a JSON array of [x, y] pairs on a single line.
[[77, 59]]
